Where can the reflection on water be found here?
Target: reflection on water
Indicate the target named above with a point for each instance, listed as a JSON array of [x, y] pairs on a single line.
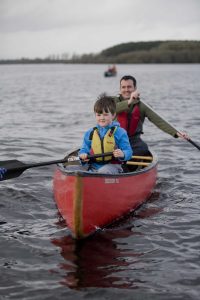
[[95, 262], [103, 259]]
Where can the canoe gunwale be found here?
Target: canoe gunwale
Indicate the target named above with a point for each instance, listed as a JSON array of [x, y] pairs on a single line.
[[82, 173]]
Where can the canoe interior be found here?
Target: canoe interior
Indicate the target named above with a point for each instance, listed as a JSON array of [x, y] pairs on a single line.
[[89, 201]]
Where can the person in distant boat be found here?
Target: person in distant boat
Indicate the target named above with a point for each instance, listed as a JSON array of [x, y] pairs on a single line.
[[131, 114], [113, 69], [106, 136]]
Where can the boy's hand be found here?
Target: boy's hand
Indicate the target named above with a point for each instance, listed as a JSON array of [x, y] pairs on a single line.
[[118, 153], [83, 156]]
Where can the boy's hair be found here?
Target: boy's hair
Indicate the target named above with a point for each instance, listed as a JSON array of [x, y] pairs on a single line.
[[106, 104], [129, 77]]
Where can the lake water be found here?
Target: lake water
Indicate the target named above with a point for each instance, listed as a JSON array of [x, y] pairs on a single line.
[[154, 253]]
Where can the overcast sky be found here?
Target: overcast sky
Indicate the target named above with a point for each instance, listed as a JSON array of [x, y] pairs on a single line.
[[39, 28]]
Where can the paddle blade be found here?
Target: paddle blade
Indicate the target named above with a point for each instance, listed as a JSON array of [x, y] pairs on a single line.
[[11, 169], [14, 168]]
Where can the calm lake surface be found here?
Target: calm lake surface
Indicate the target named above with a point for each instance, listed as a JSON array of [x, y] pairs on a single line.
[[154, 253]]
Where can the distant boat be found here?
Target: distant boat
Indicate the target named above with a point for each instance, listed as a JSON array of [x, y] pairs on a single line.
[[112, 71]]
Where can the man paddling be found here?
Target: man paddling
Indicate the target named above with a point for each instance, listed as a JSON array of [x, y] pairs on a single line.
[[131, 114]]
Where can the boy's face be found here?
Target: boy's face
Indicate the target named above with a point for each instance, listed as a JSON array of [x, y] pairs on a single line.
[[126, 88], [104, 119]]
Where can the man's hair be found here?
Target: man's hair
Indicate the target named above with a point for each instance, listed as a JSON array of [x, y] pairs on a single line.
[[106, 104], [129, 77]]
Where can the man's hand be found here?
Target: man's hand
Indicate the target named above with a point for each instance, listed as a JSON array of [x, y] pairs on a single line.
[[134, 95], [183, 135]]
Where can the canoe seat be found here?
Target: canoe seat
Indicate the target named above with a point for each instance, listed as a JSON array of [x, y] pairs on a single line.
[[137, 162]]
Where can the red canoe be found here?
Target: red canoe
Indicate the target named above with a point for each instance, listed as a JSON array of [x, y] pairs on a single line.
[[89, 201]]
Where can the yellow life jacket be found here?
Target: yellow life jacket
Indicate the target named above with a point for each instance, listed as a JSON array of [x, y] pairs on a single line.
[[107, 144]]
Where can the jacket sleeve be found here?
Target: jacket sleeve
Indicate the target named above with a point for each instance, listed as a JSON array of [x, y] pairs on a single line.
[[157, 120], [123, 143], [121, 105], [86, 144]]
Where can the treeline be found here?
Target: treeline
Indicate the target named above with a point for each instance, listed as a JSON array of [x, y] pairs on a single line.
[[129, 53], [147, 52]]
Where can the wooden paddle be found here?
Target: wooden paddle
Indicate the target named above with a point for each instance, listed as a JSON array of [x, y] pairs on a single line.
[[14, 168]]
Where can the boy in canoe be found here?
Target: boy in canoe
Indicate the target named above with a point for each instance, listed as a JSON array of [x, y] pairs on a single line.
[[107, 136]]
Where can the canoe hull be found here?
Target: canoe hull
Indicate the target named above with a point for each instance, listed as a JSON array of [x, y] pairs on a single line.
[[90, 201]]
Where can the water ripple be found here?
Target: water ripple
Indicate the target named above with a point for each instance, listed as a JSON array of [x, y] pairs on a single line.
[[154, 252]]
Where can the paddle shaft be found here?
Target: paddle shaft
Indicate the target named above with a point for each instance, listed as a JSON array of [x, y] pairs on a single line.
[[14, 168], [194, 144], [67, 159], [189, 140]]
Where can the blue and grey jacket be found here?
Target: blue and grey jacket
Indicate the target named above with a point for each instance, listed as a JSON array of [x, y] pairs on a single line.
[[120, 136]]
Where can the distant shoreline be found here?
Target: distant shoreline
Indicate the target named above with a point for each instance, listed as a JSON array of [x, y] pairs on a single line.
[[155, 52], [30, 62]]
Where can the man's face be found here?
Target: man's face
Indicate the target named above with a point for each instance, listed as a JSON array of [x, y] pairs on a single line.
[[126, 88]]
